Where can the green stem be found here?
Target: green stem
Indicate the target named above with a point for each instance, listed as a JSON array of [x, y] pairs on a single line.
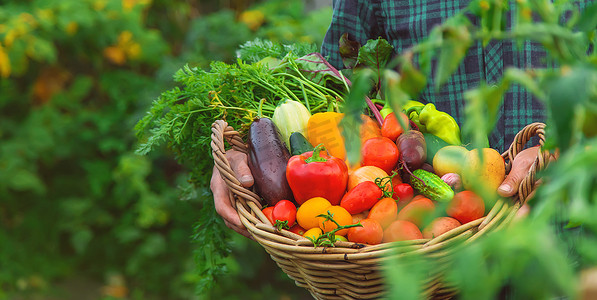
[[316, 157], [260, 112], [416, 109]]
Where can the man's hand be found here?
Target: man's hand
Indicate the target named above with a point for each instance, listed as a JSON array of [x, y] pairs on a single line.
[[223, 203], [520, 168]]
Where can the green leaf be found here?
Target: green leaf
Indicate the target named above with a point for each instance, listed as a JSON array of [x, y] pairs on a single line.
[[395, 95], [481, 111], [412, 80], [525, 79], [375, 55], [80, 239], [349, 51], [565, 90], [456, 40], [25, 180], [316, 68], [353, 108], [588, 18]]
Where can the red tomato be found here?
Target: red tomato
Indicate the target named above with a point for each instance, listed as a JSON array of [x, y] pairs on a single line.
[[466, 206], [296, 228], [391, 127], [380, 152], [370, 233], [403, 193], [284, 211], [362, 197], [268, 213], [385, 211]]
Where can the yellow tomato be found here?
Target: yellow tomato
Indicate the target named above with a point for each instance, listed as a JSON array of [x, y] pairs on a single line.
[[340, 215], [313, 233], [307, 213]]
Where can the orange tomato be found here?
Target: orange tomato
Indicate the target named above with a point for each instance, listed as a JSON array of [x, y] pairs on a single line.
[[370, 233], [416, 211], [369, 129], [385, 211], [401, 230], [340, 215], [306, 215], [440, 226], [391, 127]]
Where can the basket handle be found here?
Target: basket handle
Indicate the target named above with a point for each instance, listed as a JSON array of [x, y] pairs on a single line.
[[528, 184], [219, 131]]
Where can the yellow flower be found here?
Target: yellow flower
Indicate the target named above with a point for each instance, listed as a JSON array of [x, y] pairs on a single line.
[[133, 50], [99, 5], [28, 19], [45, 14], [252, 18], [4, 63], [115, 55], [71, 28], [10, 37], [128, 5]]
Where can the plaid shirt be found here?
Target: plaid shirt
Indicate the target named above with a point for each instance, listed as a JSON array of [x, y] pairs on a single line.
[[404, 23]]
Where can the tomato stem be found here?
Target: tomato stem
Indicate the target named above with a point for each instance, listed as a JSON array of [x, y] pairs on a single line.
[[379, 181]]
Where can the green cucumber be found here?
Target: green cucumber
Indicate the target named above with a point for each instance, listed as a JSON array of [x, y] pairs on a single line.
[[299, 144], [434, 143], [431, 186]]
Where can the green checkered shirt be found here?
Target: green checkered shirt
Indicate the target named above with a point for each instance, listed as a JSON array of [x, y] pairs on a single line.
[[407, 22]]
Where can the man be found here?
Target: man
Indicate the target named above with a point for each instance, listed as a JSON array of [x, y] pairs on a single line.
[[405, 23]]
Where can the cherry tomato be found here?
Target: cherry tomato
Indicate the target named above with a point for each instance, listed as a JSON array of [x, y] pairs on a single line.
[[380, 152], [284, 213], [362, 197], [403, 192], [268, 213], [296, 228], [391, 127], [370, 233]]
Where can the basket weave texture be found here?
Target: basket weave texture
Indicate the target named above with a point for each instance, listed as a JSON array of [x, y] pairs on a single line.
[[354, 271]]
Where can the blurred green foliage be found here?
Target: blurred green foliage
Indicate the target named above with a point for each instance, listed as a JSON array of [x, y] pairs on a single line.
[[76, 201]]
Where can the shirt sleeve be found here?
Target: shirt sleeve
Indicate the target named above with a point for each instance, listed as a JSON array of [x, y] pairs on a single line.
[[358, 18]]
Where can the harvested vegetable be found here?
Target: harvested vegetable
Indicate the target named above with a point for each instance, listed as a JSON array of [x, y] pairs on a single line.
[[438, 123], [317, 174], [267, 160], [291, 116], [431, 185]]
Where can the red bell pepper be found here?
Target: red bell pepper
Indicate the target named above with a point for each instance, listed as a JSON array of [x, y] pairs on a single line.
[[317, 174]]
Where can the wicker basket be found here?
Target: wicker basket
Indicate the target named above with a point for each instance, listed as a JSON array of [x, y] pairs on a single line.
[[350, 270]]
